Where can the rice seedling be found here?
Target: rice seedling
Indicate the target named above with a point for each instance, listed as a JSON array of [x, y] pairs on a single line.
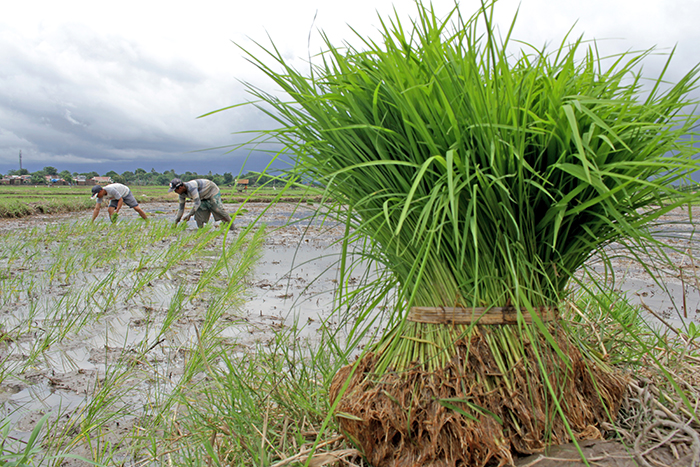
[[16, 208], [167, 267], [655, 405], [484, 178], [208, 398], [12, 286], [253, 406], [24, 456]]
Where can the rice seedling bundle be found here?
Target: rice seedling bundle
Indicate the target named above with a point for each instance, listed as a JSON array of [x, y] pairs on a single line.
[[484, 179]]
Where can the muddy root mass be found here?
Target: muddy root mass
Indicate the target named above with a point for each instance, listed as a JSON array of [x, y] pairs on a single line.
[[467, 414]]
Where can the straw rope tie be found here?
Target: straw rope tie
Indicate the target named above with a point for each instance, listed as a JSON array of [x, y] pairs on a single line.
[[482, 315]]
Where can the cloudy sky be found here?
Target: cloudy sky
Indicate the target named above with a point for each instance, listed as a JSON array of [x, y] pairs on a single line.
[[97, 86]]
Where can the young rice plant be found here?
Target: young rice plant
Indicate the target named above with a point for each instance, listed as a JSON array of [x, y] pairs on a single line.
[[485, 172]]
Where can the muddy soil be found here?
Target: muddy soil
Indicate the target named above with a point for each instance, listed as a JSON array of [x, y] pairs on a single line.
[[293, 279], [291, 288], [600, 454], [282, 296]]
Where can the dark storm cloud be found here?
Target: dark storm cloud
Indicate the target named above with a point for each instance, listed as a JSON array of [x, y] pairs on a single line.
[[74, 97], [86, 90]]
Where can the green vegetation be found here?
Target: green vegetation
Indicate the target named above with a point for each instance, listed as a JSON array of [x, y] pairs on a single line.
[[177, 386], [14, 208], [142, 177], [480, 175], [191, 276], [463, 175], [21, 200]]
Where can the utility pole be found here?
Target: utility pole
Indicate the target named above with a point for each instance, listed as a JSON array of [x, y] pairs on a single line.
[[20, 160]]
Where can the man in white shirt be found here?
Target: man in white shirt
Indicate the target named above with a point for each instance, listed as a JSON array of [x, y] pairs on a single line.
[[206, 198], [118, 194]]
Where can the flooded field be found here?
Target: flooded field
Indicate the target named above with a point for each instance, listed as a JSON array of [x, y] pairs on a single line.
[[665, 281], [101, 323], [71, 318]]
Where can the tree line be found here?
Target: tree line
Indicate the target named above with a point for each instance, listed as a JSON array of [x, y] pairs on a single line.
[[142, 177]]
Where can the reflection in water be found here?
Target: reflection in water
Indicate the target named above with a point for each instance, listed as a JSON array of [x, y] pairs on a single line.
[[292, 286]]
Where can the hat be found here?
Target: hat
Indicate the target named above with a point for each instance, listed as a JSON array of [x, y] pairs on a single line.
[[96, 191], [175, 183]]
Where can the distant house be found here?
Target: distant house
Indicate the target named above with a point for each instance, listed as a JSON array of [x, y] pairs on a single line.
[[80, 180], [101, 180], [16, 179], [11, 180], [55, 180], [242, 184]]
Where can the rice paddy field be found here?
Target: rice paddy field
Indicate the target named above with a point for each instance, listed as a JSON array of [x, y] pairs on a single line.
[[25, 200], [146, 344]]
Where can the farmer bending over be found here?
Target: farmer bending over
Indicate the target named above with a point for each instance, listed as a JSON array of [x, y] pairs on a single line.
[[206, 197], [118, 194]]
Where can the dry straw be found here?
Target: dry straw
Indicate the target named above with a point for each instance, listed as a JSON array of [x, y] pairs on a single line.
[[481, 175]]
